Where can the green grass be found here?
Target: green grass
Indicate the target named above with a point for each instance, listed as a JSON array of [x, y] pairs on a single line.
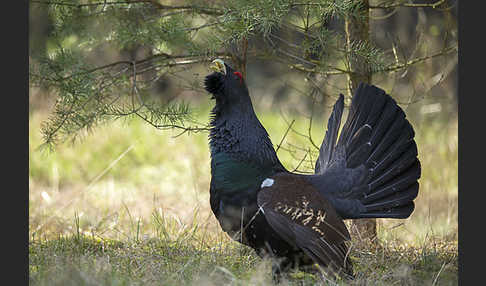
[[129, 205]]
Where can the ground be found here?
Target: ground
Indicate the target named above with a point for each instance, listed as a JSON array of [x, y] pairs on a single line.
[[129, 205]]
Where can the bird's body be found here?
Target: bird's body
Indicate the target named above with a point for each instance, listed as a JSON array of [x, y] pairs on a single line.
[[371, 171]]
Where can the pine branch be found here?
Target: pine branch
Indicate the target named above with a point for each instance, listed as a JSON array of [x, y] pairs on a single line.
[[415, 61], [391, 68], [86, 96], [199, 9], [60, 3], [410, 5], [316, 70], [184, 129], [185, 59]]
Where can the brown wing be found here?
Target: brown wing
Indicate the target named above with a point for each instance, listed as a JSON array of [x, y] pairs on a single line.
[[305, 219]]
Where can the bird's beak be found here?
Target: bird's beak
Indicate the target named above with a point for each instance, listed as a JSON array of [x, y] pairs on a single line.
[[218, 66]]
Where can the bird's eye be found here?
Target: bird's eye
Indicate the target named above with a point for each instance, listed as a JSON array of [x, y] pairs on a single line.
[[238, 74]]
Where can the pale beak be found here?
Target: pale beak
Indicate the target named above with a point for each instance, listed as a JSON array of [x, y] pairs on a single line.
[[218, 66]]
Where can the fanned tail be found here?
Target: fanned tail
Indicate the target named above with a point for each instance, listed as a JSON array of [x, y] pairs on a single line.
[[377, 135]]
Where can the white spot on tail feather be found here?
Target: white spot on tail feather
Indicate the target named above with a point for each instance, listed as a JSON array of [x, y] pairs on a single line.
[[267, 183]]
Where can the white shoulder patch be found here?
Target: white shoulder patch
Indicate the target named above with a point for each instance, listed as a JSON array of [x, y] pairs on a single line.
[[267, 183]]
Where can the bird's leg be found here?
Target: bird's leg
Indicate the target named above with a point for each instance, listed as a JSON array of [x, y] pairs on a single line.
[[276, 272], [281, 267]]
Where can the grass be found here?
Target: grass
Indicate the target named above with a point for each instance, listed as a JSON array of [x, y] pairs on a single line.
[[129, 205]]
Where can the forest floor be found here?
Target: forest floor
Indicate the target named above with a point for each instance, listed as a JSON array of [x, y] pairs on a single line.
[[129, 205]]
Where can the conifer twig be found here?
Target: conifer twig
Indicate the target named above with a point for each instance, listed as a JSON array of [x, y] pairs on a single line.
[[410, 5]]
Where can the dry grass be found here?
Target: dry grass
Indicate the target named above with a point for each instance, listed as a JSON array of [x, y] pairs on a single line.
[[129, 205]]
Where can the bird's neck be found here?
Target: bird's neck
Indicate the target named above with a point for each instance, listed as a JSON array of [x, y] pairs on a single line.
[[240, 134]]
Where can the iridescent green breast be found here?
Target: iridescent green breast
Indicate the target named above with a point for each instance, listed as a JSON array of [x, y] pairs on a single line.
[[231, 175]]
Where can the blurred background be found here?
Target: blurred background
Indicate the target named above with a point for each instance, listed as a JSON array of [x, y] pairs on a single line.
[[117, 164]]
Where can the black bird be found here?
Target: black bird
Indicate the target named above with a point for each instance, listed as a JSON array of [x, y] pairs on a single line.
[[370, 171]]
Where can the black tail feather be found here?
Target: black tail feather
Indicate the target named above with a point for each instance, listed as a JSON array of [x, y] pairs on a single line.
[[383, 144], [361, 101], [329, 142], [396, 200], [377, 163], [396, 169], [396, 185], [403, 211], [377, 135], [361, 145], [387, 118], [361, 137], [361, 153]]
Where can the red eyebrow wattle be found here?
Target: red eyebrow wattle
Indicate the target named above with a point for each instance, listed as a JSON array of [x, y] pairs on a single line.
[[239, 75]]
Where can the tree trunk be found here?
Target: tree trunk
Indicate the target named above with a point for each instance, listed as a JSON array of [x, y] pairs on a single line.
[[358, 30], [238, 55]]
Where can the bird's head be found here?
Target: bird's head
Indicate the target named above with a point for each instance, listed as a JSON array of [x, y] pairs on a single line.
[[226, 85]]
